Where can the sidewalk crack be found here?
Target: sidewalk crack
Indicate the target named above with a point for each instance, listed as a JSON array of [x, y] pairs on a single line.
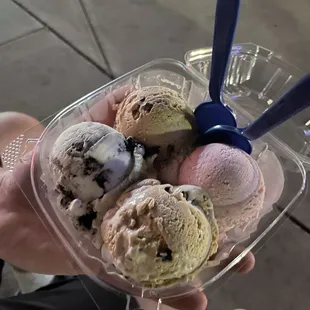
[[96, 38], [63, 39], [294, 220]]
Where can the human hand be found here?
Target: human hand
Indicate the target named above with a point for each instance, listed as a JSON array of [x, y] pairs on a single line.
[[26, 240]]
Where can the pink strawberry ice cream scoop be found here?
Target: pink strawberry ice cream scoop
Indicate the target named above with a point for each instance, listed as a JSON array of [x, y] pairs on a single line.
[[229, 174], [233, 181]]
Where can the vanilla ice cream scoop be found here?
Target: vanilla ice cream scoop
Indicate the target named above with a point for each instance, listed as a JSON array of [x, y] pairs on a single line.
[[160, 235], [89, 159]]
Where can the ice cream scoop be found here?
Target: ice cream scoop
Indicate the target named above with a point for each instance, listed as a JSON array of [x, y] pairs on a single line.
[[159, 118], [159, 235], [89, 159], [228, 174], [92, 164], [233, 180]]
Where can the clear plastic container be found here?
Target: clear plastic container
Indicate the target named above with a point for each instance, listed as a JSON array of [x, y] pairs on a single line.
[[177, 76], [257, 77]]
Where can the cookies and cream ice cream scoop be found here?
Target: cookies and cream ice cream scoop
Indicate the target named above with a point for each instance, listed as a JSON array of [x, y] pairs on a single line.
[[92, 164], [89, 159]]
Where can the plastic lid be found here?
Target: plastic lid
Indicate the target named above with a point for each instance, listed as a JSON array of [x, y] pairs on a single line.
[[256, 77]]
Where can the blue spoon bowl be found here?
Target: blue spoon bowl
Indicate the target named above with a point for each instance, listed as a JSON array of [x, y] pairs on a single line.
[[215, 112], [291, 103]]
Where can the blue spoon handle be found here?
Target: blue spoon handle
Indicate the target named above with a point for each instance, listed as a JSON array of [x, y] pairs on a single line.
[[224, 29], [291, 103]]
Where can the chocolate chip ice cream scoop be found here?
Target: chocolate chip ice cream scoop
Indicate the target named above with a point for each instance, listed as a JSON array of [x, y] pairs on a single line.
[[160, 235], [158, 117]]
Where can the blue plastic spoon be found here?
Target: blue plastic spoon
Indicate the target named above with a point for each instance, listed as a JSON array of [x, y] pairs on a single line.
[[214, 112], [291, 103]]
